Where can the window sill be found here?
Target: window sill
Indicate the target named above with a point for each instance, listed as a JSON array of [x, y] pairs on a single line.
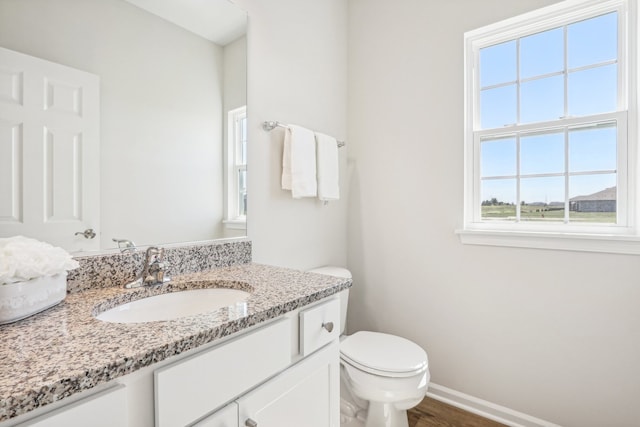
[[235, 224], [615, 244]]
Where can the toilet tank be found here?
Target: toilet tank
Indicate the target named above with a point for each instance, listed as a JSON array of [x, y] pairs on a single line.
[[330, 270]]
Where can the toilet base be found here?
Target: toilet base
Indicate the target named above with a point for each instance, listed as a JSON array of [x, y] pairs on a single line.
[[375, 414], [357, 412], [386, 415], [351, 422], [352, 414]]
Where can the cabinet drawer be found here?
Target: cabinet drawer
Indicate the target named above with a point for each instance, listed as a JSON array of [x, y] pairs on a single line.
[[107, 408], [319, 325], [191, 388]]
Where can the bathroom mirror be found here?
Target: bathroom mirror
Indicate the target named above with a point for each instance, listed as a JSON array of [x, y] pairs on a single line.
[[172, 87]]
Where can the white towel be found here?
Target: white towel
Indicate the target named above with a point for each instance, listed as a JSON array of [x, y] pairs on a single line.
[[22, 259], [327, 158], [299, 162]]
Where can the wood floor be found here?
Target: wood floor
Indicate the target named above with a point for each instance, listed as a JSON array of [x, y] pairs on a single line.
[[431, 412]]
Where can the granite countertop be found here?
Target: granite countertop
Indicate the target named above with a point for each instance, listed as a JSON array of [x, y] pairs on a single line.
[[65, 350]]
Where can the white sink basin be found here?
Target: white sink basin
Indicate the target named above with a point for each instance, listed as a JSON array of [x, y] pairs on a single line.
[[173, 305]]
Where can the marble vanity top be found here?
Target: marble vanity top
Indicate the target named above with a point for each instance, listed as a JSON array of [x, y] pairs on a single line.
[[65, 350]]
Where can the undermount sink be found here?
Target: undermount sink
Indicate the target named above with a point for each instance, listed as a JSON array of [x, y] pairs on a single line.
[[173, 305]]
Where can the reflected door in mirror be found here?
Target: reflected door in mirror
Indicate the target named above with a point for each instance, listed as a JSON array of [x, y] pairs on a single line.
[[49, 151]]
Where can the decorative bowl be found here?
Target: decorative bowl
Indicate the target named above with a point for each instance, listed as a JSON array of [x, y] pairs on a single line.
[[23, 299]]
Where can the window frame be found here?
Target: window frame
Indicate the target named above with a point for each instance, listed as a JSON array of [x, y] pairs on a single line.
[[532, 233], [234, 219]]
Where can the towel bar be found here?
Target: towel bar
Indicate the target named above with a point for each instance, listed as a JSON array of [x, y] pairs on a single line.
[[268, 126]]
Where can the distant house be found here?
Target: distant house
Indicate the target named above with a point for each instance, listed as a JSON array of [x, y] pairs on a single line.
[[602, 201]]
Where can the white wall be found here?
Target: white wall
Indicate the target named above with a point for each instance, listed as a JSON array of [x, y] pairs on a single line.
[[552, 334], [161, 111], [297, 74], [235, 96], [235, 74]]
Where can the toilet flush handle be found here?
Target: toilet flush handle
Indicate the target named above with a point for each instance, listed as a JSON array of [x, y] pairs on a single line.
[[328, 326], [250, 423]]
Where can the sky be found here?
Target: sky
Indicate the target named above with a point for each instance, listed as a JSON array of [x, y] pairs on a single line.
[[538, 70]]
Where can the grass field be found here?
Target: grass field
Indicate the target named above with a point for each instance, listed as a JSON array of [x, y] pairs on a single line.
[[541, 213]]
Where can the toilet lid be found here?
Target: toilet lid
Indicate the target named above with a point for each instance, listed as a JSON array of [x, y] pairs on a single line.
[[375, 351]]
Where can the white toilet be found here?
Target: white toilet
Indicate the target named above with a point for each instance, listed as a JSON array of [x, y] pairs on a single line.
[[381, 375]]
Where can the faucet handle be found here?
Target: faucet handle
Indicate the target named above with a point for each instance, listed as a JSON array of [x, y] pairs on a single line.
[[154, 254]]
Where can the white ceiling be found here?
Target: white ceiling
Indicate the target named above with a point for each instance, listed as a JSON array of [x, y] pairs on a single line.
[[217, 20]]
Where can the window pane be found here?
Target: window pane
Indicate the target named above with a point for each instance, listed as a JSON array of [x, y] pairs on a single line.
[[498, 157], [593, 198], [243, 148], [498, 107], [243, 126], [243, 141], [242, 185], [242, 192], [593, 91], [243, 204], [498, 64], [542, 99], [545, 191], [593, 149], [498, 199], [593, 41], [542, 53], [542, 154], [542, 199]]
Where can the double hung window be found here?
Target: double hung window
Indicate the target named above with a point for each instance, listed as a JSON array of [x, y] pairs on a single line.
[[237, 168], [548, 135]]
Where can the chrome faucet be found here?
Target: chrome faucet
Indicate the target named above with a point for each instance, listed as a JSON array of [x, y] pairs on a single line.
[[154, 270]]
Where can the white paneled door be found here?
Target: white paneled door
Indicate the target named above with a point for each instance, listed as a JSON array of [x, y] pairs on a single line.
[[49, 152]]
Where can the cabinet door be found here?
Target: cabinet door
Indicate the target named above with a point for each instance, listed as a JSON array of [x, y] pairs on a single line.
[[225, 417], [307, 394], [105, 409]]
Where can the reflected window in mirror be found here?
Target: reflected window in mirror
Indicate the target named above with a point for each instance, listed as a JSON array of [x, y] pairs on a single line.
[[236, 176]]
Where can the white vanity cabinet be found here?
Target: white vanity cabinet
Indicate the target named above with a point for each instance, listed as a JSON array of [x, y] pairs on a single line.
[[190, 388], [254, 372], [278, 374], [306, 395]]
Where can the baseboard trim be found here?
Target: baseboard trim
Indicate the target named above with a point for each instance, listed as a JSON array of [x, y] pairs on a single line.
[[485, 409]]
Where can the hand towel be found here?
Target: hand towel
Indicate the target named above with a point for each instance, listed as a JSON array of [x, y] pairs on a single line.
[[327, 166], [299, 162]]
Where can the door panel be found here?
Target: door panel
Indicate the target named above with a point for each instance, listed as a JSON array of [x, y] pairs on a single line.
[[62, 175], [11, 147]]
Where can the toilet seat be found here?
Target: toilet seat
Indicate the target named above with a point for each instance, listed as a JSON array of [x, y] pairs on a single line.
[[383, 354]]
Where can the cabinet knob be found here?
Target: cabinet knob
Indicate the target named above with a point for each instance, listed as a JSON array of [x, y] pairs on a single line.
[[328, 326], [250, 423]]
